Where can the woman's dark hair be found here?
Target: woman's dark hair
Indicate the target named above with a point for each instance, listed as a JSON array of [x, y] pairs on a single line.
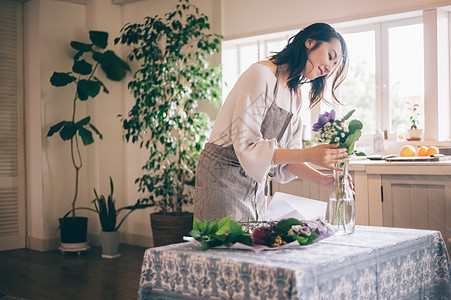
[[295, 56]]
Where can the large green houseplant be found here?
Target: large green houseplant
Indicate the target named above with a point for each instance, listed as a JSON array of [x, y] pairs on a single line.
[[174, 75], [86, 61]]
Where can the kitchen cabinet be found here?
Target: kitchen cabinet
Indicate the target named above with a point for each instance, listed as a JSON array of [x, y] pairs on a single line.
[[417, 201]]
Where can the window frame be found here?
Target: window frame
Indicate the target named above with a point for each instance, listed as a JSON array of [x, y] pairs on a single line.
[[382, 97]]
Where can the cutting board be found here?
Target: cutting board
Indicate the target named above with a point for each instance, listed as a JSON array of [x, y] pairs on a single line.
[[419, 158]]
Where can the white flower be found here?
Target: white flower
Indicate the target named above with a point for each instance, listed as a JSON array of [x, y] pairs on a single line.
[[342, 134]]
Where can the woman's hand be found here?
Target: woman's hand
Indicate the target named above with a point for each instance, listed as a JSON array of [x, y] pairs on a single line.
[[326, 155], [327, 180]]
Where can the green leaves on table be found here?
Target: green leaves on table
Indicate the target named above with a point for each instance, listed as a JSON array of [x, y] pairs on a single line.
[[226, 231]]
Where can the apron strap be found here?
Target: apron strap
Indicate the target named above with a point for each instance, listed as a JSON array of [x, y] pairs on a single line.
[[276, 88]]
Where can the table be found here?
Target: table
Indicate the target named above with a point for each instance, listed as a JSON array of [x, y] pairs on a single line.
[[372, 263]]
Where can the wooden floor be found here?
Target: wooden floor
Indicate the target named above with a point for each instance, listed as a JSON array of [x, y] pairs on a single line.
[[38, 275]]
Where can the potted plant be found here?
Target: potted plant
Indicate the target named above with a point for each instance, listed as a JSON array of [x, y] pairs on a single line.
[[108, 214], [174, 75], [87, 59], [414, 131]]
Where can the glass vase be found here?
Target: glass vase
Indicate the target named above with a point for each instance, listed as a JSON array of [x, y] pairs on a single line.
[[341, 203]]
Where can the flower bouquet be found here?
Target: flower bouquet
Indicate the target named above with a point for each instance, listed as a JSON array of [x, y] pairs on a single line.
[[259, 235], [346, 134]]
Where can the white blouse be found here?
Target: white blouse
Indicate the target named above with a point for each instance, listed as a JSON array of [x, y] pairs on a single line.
[[240, 118]]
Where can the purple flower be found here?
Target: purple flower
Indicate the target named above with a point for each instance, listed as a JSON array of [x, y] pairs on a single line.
[[322, 228], [323, 119]]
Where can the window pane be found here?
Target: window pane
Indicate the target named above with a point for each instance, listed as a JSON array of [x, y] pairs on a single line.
[[273, 46], [359, 88], [248, 56], [406, 74], [230, 69]]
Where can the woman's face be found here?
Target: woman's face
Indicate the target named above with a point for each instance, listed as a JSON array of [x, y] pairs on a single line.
[[322, 59]]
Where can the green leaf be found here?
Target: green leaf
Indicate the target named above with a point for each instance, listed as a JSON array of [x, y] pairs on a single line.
[[224, 223], [283, 226], [96, 130], [80, 46], [195, 233], [99, 38], [197, 224], [243, 239], [61, 79], [84, 121], [235, 228], [82, 67], [55, 128], [68, 131], [88, 88], [354, 125], [86, 136], [348, 115], [114, 67]]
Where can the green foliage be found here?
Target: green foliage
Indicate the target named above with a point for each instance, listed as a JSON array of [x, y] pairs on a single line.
[[212, 233], [87, 86], [105, 207], [174, 75], [414, 114]]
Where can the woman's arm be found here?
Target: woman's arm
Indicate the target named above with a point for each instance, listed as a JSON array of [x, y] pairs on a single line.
[[304, 171], [324, 155]]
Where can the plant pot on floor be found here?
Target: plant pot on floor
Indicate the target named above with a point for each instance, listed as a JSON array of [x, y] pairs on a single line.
[[110, 244], [74, 233], [170, 229]]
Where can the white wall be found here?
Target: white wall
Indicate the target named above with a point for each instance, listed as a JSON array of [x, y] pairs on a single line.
[[50, 25], [251, 17]]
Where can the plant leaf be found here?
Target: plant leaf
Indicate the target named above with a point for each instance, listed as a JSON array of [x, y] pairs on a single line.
[[82, 67], [83, 47], [114, 67], [354, 125], [87, 88], [55, 128], [84, 121], [86, 136], [68, 131], [348, 115], [99, 38], [61, 79]]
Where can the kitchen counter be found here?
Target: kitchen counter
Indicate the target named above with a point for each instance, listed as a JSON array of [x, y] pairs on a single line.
[[442, 167]]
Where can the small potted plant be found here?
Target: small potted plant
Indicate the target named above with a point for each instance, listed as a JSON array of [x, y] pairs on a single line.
[[414, 131], [108, 214]]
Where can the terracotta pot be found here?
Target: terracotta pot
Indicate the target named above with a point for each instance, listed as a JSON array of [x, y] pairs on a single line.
[[170, 229]]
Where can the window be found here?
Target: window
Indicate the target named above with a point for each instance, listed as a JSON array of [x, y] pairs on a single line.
[[406, 73], [386, 70], [359, 89]]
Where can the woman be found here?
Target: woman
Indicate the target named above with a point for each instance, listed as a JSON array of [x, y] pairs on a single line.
[[258, 129]]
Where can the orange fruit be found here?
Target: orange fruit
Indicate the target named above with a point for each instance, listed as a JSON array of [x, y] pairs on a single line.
[[432, 150], [422, 151], [407, 150]]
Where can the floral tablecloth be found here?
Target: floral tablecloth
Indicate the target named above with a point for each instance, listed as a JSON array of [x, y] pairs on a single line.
[[373, 263]]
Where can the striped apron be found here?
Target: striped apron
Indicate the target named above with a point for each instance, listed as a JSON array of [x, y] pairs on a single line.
[[222, 187]]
